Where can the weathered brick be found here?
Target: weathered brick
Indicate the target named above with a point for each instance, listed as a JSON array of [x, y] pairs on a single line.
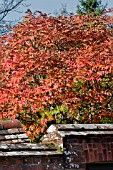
[[100, 156], [13, 167], [94, 145], [104, 154], [95, 155], [86, 155], [8, 124], [79, 159], [100, 147], [109, 156], [33, 167]]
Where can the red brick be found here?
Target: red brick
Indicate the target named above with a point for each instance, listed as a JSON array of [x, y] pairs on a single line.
[[96, 140], [104, 146], [105, 154], [9, 167], [110, 139], [79, 159], [33, 167], [8, 124], [18, 161], [7, 161], [112, 145], [109, 146], [85, 146], [94, 146], [86, 155], [96, 155], [91, 157], [32, 160], [90, 146], [80, 140], [90, 150], [99, 147], [100, 156], [112, 153], [3, 162], [109, 156]]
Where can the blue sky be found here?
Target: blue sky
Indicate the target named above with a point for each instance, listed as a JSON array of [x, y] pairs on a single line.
[[49, 6]]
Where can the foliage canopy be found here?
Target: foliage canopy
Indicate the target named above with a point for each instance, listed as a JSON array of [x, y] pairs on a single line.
[[57, 70]]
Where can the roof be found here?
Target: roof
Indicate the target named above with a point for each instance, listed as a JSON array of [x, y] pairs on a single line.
[[14, 142], [11, 132]]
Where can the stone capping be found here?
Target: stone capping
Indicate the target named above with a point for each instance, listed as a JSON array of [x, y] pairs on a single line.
[[26, 146], [29, 153], [55, 133], [84, 129]]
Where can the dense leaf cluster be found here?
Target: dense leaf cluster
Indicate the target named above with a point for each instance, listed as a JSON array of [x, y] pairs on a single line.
[[57, 70]]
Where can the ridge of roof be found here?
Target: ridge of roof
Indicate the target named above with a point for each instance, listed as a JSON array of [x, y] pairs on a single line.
[[9, 124]]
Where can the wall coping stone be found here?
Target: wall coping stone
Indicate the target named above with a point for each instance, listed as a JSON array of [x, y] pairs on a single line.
[[84, 127], [81, 129], [29, 153]]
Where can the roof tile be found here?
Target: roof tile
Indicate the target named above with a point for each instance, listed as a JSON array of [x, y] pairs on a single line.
[[14, 142]]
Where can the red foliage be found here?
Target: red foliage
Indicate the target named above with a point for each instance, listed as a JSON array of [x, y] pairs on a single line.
[[57, 69]]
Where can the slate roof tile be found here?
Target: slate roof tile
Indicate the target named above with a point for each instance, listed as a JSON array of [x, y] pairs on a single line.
[[12, 132], [14, 142]]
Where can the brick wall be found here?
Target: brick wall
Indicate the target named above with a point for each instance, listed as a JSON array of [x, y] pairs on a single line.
[[17, 153], [32, 163], [86, 145], [82, 145], [81, 150]]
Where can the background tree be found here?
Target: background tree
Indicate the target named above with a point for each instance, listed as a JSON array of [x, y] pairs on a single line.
[[6, 7], [62, 11], [89, 6]]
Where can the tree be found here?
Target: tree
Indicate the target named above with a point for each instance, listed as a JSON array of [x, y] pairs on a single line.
[[62, 11], [57, 70], [89, 6], [6, 7]]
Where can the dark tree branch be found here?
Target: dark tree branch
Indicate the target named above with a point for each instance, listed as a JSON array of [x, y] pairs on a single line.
[[7, 6]]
